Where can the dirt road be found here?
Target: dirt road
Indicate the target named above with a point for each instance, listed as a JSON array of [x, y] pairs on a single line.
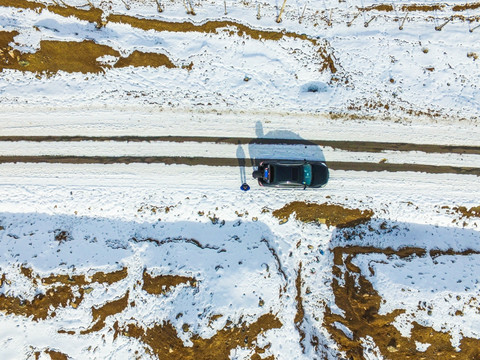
[[105, 150]]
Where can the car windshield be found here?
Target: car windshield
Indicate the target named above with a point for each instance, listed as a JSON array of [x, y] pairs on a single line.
[[307, 174]]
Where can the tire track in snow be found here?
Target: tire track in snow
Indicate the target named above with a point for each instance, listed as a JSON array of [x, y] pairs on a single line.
[[357, 146], [217, 161]]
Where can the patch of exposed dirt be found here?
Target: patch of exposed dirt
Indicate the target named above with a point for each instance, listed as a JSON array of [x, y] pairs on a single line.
[[91, 15], [360, 303], [162, 284], [62, 236], [101, 313], [462, 215], [470, 6], [54, 56], [6, 37], [62, 291], [110, 278], [81, 280], [166, 345], [329, 214], [371, 104], [22, 4], [78, 280], [380, 7], [54, 355], [39, 307], [468, 213], [426, 8], [138, 58], [71, 56]]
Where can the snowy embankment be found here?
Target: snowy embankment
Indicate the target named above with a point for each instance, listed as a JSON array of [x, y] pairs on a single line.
[[326, 58]]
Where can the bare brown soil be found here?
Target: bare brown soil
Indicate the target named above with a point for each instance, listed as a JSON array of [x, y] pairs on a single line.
[[360, 303], [71, 56], [166, 345], [22, 4], [138, 58], [421, 7], [470, 6], [54, 355], [162, 284], [110, 278], [463, 215], [468, 213], [101, 313], [380, 7], [93, 15], [90, 15], [329, 214], [61, 292]]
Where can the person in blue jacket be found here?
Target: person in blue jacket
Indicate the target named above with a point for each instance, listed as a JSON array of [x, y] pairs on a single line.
[[245, 187]]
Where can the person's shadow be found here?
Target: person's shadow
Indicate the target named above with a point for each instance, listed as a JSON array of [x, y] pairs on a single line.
[[281, 145], [241, 163]]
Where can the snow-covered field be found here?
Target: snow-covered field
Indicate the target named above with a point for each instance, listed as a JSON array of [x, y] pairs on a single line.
[[143, 259]]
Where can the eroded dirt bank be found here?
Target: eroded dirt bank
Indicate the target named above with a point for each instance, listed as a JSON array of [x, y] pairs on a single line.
[[360, 302]]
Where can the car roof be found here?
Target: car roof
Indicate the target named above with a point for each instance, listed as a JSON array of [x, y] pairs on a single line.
[[288, 173]]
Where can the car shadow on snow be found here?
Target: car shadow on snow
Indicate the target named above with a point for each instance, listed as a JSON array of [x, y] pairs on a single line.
[[281, 145], [234, 263]]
